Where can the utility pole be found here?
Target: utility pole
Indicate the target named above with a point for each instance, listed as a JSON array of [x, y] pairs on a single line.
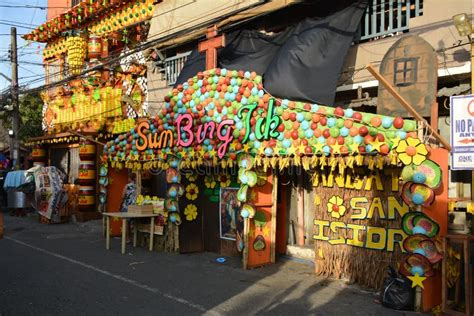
[[15, 151]]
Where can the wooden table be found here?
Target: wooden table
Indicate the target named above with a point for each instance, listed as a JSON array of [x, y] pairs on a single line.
[[127, 216], [465, 241]]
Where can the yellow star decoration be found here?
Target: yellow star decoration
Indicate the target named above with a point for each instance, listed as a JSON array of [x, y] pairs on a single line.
[[354, 148], [417, 280], [276, 151], [301, 149], [233, 146], [266, 231], [261, 150], [192, 153], [291, 150], [318, 148], [336, 148], [376, 144], [212, 152], [183, 154], [202, 152], [246, 148], [395, 142]]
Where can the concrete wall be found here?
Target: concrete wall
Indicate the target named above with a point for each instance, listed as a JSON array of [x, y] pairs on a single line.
[[172, 16], [435, 26], [56, 7]]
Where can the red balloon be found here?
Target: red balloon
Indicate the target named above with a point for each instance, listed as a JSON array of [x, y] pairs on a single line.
[[357, 116], [294, 135], [326, 133], [398, 122], [363, 131], [339, 111]]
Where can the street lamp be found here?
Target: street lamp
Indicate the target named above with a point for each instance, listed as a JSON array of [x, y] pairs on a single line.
[[463, 24]]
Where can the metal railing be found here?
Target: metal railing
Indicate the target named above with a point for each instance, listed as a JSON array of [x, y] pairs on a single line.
[[388, 17], [173, 66]]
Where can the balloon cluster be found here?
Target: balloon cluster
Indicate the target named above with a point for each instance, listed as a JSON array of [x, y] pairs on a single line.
[[217, 95]]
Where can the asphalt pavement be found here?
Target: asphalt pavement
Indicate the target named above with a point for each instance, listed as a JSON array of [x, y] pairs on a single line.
[[65, 270]]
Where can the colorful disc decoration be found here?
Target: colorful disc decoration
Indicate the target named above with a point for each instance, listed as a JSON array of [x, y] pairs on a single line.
[[419, 223], [432, 172], [415, 194], [422, 245], [415, 263]]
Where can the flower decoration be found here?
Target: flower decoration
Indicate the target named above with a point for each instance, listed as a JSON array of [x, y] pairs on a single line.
[[335, 207], [210, 182], [411, 150], [191, 212], [192, 192], [191, 176], [224, 180]]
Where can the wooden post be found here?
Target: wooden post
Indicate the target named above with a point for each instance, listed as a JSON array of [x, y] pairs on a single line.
[[274, 218], [152, 231], [300, 211], [124, 234], [210, 46], [135, 232], [444, 281], [245, 254], [406, 105], [107, 233], [434, 116]]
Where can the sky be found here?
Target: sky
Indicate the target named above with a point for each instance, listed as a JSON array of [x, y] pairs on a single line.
[[28, 52]]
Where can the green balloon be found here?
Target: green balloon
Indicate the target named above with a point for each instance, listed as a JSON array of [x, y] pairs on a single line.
[[279, 110], [236, 133], [258, 79], [348, 140], [210, 80], [307, 116], [409, 126], [334, 131], [390, 134], [239, 82], [301, 133], [340, 122], [373, 131]]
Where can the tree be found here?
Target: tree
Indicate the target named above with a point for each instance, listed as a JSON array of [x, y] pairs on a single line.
[[31, 115]]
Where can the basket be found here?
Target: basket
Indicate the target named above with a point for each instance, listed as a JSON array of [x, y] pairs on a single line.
[[140, 209]]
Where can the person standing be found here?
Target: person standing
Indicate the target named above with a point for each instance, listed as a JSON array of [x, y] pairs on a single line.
[[129, 196]]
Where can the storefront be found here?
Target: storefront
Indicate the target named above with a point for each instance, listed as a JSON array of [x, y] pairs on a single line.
[[228, 151]]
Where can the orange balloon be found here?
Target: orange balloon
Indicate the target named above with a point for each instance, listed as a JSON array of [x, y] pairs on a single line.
[[348, 123], [331, 141], [317, 132], [296, 125]]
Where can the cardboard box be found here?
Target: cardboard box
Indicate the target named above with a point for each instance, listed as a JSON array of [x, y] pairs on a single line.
[[140, 209]]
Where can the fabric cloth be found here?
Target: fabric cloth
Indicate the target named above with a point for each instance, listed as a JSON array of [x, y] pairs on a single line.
[[129, 196], [14, 179], [303, 62]]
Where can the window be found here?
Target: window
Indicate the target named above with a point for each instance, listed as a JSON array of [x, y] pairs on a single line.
[[384, 18], [75, 2], [405, 71]]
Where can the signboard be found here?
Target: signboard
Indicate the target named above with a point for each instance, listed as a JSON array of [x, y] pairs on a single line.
[[462, 132]]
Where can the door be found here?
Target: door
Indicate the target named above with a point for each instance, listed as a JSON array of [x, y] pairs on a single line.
[[191, 229]]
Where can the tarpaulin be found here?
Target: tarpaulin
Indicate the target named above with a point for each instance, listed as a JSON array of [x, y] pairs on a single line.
[[302, 62]]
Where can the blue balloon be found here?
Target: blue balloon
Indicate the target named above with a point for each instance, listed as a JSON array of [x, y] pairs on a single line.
[[420, 251], [223, 72], [284, 103], [418, 199], [244, 213], [305, 125], [368, 148], [308, 133], [402, 134], [247, 74], [207, 142], [235, 89], [287, 143], [358, 139], [331, 121], [417, 269], [321, 140], [209, 147], [254, 91], [252, 136], [268, 151], [344, 131], [387, 122], [326, 150], [261, 93], [257, 144], [419, 177], [281, 137], [233, 82], [314, 108], [348, 112], [419, 230], [244, 100], [199, 83], [300, 117]]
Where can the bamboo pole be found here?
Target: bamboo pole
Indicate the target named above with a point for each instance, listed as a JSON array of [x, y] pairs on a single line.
[[407, 105]]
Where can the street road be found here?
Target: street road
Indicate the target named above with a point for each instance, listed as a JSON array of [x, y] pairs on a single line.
[[65, 270]]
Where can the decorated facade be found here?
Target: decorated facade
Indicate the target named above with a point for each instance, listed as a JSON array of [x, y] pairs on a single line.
[[96, 86], [374, 180]]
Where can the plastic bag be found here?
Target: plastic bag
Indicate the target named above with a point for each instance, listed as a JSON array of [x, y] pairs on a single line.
[[397, 292]]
